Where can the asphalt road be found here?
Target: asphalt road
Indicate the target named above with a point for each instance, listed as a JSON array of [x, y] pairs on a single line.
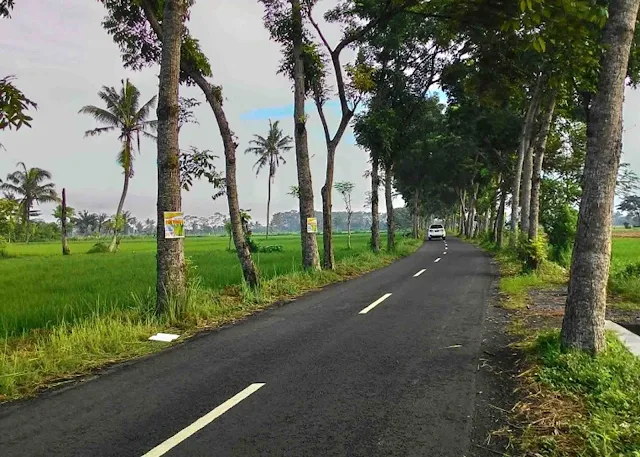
[[317, 377]]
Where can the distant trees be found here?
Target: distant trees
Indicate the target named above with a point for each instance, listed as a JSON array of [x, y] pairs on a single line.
[[124, 115], [270, 154], [32, 188], [631, 205], [345, 189]]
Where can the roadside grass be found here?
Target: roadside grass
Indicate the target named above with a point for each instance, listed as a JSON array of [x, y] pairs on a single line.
[[110, 332], [41, 288], [578, 405], [573, 404], [625, 288]]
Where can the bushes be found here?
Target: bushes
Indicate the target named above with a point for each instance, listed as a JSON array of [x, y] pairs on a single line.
[[3, 248], [272, 248], [99, 248], [561, 228]]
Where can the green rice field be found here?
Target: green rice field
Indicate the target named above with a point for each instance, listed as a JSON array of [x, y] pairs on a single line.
[[41, 288]]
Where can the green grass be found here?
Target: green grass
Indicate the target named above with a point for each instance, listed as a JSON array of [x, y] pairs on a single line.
[[625, 251], [41, 288], [583, 406], [106, 332]]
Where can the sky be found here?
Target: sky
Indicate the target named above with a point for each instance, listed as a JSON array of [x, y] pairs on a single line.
[[62, 56]]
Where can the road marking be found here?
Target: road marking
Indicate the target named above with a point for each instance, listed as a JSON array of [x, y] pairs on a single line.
[[437, 260], [419, 273], [374, 304], [205, 420]]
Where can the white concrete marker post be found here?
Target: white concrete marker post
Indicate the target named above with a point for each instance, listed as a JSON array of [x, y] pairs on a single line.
[[164, 337]]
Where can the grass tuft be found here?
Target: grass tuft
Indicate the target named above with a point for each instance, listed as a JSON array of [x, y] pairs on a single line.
[[578, 404]]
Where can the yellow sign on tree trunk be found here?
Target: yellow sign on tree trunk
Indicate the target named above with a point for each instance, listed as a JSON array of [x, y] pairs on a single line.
[[312, 225], [173, 225]]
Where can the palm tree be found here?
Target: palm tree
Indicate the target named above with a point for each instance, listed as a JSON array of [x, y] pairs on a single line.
[[269, 151], [29, 183], [85, 221], [123, 114]]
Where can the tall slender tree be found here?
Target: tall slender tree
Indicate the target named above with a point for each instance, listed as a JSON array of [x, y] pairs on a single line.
[[124, 115], [137, 29], [270, 154], [172, 275], [583, 323]]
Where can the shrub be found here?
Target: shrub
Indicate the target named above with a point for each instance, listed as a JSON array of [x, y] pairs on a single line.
[[272, 248], [561, 228], [631, 271], [3, 248], [99, 248], [253, 246]]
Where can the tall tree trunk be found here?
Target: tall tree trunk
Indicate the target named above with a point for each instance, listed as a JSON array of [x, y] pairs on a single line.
[[463, 214], [375, 214], [310, 256], [388, 195], [523, 145], [525, 195], [416, 217], [268, 203], [327, 222], [171, 286], [583, 323], [63, 223], [541, 144], [213, 95], [125, 188], [471, 219], [500, 218], [349, 229]]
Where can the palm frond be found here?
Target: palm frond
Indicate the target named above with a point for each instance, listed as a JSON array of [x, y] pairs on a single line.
[[98, 131], [101, 115], [149, 136], [6, 187], [143, 113]]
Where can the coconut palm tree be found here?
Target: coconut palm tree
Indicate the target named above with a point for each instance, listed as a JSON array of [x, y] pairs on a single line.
[[124, 115], [30, 185], [85, 222], [269, 151]]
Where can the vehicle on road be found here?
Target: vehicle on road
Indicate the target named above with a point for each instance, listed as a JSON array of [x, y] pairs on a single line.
[[437, 231]]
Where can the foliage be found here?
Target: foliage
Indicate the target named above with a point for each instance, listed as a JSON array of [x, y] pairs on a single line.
[[124, 115], [3, 248], [272, 248], [99, 248], [5, 7], [29, 183], [631, 204], [560, 223], [139, 45], [197, 164], [294, 191], [13, 104], [269, 150]]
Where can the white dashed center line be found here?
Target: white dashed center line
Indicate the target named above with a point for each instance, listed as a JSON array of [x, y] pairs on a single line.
[[374, 304], [437, 260], [205, 420], [419, 273]]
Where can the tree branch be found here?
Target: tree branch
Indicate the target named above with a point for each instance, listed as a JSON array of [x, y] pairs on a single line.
[[323, 119]]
